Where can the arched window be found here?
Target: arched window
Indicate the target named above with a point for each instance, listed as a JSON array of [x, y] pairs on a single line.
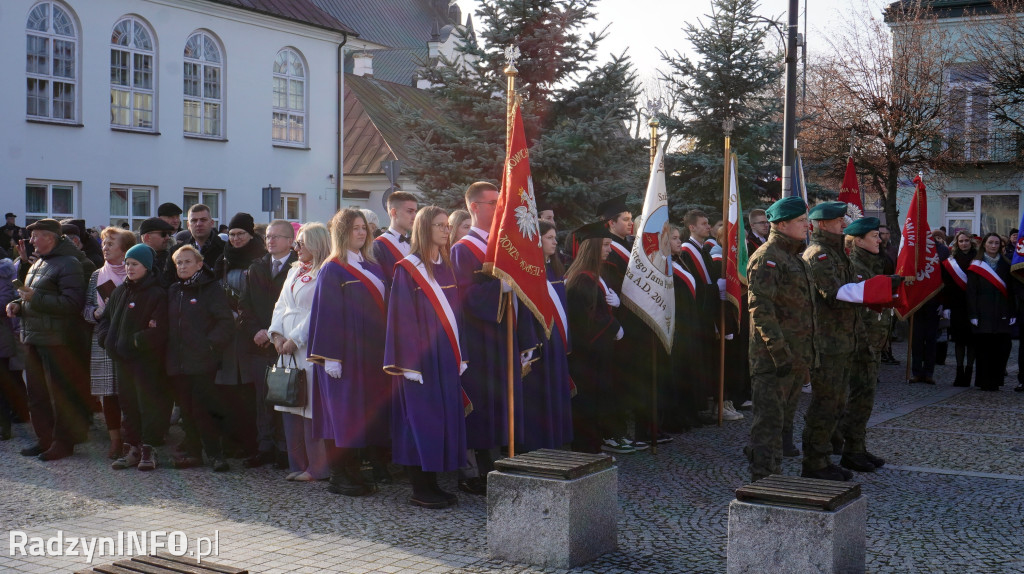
[[204, 86], [52, 65], [132, 90], [289, 124]]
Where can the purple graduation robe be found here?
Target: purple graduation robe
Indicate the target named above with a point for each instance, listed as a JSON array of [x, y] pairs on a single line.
[[347, 324], [484, 346], [428, 424], [386, 254], [547, 408]]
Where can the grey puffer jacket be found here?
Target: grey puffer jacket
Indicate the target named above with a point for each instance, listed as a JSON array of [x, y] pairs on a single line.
[[54, 312]]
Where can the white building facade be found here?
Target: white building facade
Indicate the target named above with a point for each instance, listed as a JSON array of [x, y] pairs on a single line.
[[126, 104]]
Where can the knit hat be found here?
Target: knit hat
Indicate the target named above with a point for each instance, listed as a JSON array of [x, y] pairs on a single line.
[[142, 253], [244, 222]]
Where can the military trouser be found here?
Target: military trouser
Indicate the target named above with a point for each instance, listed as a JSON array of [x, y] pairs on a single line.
[[863, 383], [829, 387], [775, 400]]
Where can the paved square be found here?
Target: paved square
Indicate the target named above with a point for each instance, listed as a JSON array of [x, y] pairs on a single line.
[[950, 499]]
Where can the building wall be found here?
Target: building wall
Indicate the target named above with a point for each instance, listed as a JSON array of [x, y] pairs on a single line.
[[94, 157]]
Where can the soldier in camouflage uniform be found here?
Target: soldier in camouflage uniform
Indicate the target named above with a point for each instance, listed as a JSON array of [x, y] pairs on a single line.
[[782, 348], [868, 354], [837, 323]]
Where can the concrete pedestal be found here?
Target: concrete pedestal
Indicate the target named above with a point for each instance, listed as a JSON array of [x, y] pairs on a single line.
[[768, 538], [550, 522]]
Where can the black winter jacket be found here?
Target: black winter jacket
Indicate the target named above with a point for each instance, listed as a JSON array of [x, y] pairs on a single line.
[[124, 329], [988, 304], [56, 307], [256, 306], [201, 325]]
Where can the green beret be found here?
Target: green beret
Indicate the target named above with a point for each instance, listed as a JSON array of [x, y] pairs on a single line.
[[786, 208], [828, 210], [862, 226]]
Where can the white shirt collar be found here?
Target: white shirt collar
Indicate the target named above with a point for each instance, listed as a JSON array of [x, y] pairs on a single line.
[[395, 232], [354, 256], [483, 234]]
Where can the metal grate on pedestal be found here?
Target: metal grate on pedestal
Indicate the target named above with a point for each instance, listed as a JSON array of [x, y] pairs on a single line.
[[559, 464]]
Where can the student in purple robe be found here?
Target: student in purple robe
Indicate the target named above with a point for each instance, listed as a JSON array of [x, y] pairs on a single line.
[[486, 339], [423, 351], [594, 330], [681, 397], [351, 396], [547, 388], [393, 244]]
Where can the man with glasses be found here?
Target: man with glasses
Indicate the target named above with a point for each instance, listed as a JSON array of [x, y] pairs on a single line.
[[393, 245], [158, 235], [757, 232], [263, 285]]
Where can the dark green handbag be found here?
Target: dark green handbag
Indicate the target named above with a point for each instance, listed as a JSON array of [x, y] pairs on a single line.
[[286, 385]]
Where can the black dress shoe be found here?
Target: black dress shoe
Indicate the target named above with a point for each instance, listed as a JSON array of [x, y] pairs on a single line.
[[259, 459], [34, 450], [847, 475], [1019, 388], [476, 486], [57, 451], [281, 461], [857, 461], [878, 462], [220, 465]]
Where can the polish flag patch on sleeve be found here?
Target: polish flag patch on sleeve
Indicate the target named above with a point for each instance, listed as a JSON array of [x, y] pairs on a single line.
[[822, 256], [770, 263]]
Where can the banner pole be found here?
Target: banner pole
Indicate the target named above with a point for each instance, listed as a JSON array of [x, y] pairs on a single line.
[[727, 126], [511, 379], [653, 123], [910, 344]]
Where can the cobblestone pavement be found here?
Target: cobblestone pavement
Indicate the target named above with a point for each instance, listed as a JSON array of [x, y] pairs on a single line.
[[948, 500]]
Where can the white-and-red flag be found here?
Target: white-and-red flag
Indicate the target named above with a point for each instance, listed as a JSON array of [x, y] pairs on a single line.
[[647, 289], [736, 258], [514, 252], [918, 260]]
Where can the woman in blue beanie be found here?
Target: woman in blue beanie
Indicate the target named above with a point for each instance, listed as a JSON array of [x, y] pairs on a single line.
[[133, 330]]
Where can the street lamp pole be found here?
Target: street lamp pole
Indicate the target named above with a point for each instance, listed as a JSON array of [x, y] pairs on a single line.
[[789, 122]]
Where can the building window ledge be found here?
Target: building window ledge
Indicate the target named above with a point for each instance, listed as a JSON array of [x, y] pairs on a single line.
[[131, 131], [53, 123], [205, 138], [291, 146]]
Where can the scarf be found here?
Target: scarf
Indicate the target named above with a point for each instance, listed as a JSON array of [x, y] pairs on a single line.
[[111, 272], [993, 262], [193, 279]]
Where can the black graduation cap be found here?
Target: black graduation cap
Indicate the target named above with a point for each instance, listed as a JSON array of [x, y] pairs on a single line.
[[611, 208], [544, 206], [595, 230]]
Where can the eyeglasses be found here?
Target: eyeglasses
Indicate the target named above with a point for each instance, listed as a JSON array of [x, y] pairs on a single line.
[[237, 233], [276, 237], [298, 244], [441, 225], [492, 202]]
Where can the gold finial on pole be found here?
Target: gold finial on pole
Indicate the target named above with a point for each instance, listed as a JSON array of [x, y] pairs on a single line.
[[653, 109], [512, 54]]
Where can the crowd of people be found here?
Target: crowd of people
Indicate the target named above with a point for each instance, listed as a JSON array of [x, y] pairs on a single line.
[[402, 339]]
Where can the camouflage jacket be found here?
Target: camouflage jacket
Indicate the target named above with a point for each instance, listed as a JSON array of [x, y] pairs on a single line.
[[781, 301], [838, 321], [875, 325]]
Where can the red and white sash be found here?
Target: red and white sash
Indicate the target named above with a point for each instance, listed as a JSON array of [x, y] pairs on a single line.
[[953, 269], [713, 243], [698, 258], [560, 320], [990, 275], [477, 246], [442, 308], [683, 274], [392, 243], [620, 249], [372, 283]]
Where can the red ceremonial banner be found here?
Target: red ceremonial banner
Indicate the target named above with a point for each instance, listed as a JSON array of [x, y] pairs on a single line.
[[918, 259], [514, 252], [850, 190]]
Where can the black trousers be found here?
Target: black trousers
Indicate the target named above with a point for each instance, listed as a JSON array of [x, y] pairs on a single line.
[[203, 416], [145, 401], [237, 404], [54, 404], [990, 352]]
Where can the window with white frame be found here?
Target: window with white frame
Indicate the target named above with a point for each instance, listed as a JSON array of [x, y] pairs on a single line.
[[56, 199], [289, 123], [132, 78], [204, 86], [291, 207], [970, 122], [51, 63], [210, 198], [131, 205]]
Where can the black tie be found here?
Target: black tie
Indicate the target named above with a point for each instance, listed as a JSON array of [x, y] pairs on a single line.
[[402, 239]]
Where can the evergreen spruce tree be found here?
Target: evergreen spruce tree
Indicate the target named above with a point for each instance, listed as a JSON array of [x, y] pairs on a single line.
[[574, 111], [734, 75]]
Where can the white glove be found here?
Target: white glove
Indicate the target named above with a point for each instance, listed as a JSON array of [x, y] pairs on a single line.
[[505, 287], [414, 377], [619, 334], [945, 314], [1013, 320], [974, 322], [462, 367], [721, 289], [729, 337], [612, 298], [333, 369], [525, 357]]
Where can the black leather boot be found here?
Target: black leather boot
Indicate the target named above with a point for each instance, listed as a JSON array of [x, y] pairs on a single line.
[[423, 494], [789, 449]]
